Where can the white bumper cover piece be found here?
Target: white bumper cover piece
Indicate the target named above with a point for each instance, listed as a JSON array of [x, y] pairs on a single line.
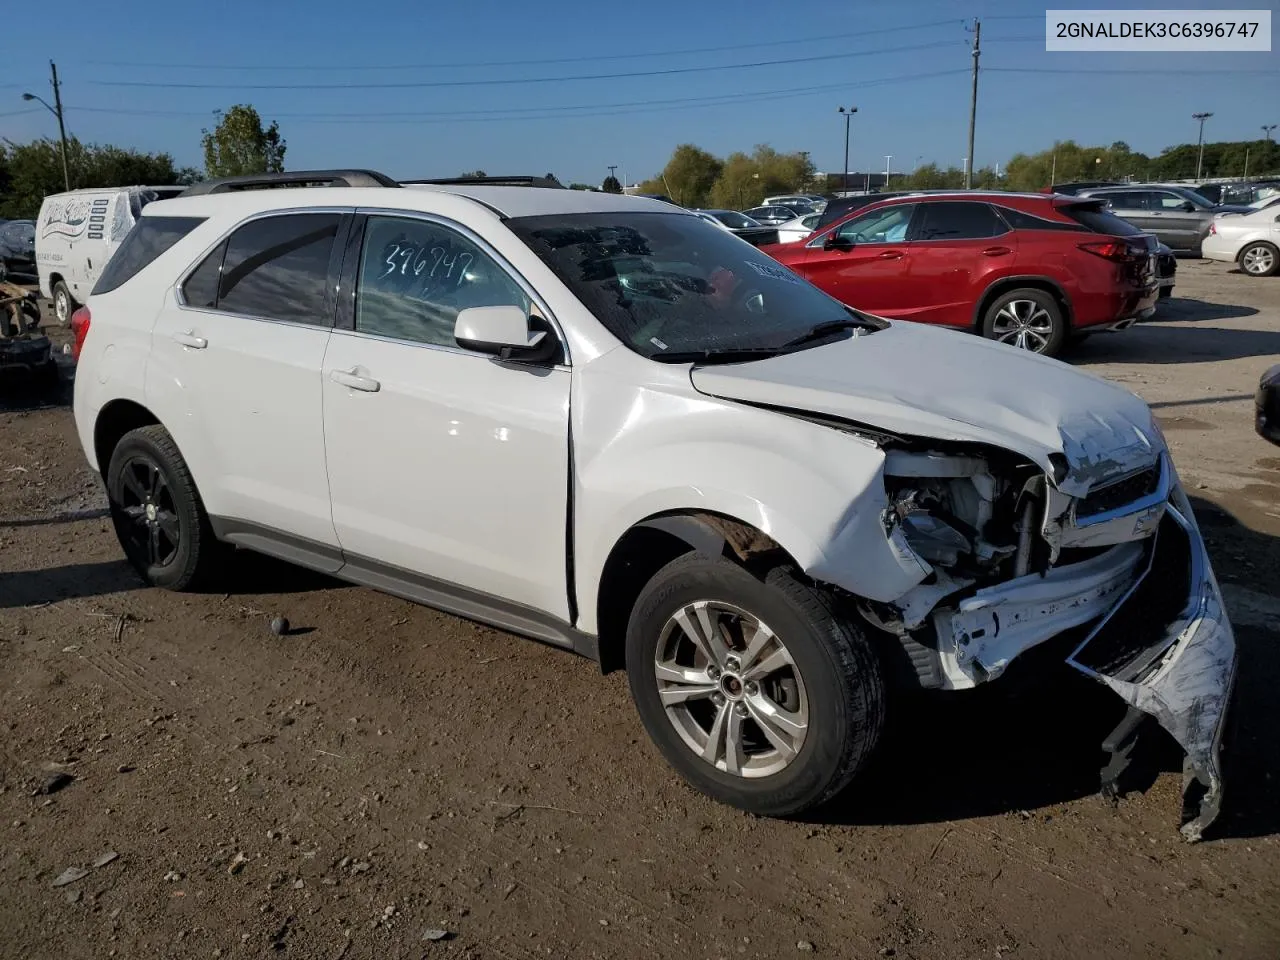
[[1184, 677]]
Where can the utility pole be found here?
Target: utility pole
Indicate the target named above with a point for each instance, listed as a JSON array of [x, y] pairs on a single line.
[[1266, 130], [887, 158], [1202, 117], [62, 129], [56, 110], [848, 115], [613, 167], [973, 100], [1246, 164]]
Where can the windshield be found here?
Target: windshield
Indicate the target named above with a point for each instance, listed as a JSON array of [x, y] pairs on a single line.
[[670, 286], [1194, 197], [734, 220]]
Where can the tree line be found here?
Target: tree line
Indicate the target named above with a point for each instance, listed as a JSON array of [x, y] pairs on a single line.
[[240, 143]]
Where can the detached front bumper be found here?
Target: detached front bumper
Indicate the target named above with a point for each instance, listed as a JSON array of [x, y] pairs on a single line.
[[1167, 649]]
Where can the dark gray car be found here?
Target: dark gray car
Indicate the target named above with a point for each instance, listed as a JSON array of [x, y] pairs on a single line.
[[1178, 216]]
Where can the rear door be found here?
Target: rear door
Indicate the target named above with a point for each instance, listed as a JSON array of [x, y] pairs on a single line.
[[864, 261], [957, 248], [1130, 205], [235, 373]]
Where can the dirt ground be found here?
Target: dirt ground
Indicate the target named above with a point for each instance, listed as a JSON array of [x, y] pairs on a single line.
[[386, 771]]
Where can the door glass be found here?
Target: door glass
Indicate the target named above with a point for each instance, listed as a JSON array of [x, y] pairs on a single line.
[[277, 268], [201, 288], [1168, 201], [959, 220], [888, 225], [415, 275]]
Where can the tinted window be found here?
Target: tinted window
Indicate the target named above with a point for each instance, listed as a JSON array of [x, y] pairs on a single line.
[[962, 220], [736, 221], [416, 275], [1100, 221], [149, 238], [887, 225], [1018, 220], [674, 288], [277, 268], [201, 288], [1126, 199], [1164, 200]]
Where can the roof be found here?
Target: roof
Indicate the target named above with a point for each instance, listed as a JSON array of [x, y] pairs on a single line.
[[504, 201]]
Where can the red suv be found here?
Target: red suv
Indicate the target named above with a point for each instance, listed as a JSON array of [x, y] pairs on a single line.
[[1027, 269]]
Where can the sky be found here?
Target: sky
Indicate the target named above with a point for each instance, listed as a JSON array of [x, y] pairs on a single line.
[[422, 89]]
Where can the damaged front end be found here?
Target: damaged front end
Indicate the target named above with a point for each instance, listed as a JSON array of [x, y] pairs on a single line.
[[1015, 555]]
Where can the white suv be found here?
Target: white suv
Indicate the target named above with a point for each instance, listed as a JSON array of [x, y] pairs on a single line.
[[599, 421]]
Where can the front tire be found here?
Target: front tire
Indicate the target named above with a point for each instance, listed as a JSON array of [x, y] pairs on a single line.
[[157, 512], [752, 687], [1027, 318], [1260, 259]]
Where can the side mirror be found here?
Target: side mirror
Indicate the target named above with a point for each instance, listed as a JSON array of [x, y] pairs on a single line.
[[504, 333], [834, 242]]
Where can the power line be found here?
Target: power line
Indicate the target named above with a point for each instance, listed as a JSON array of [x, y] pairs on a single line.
[[535, 113], [417, 84], [19, 113], [1135, 73], [331, 67]]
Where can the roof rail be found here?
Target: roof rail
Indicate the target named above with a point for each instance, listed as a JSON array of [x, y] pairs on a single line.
[[297, 178], [494, 182]]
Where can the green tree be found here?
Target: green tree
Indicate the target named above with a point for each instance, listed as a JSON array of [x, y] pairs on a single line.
[[472, 175], [576, 185], [240, 145], [611, 185], [689, 175], [34, 170]]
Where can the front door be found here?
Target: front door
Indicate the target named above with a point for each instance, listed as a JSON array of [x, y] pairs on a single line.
[[1174, 224], [234, 373], [865, 263], [445, 466]]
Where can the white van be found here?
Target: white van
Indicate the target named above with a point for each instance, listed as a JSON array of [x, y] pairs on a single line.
[[76, 234]]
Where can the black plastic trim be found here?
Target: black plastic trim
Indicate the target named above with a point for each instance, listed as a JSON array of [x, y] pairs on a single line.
[[449, 597], [348, 274], [515, 181]]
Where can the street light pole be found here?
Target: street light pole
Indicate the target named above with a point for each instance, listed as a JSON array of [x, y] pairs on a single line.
[[1266, 130], [887, 158], [973, 100], [1202, 117], [848, 115], [57, 112]]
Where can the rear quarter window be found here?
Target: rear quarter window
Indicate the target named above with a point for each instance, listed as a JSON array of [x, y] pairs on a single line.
[[149, 238], [1098, 220]]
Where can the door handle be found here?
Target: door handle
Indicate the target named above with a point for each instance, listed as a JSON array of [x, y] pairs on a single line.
[[349, 378], [996, 251], [191, 340], [890, 255]]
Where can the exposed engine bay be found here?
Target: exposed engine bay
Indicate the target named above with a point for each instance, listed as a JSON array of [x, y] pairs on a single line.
[[1011, 561]]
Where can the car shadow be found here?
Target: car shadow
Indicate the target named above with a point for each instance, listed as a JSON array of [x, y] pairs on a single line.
[[1162, 343], [1186, 309], [990, 751], [247, 574]]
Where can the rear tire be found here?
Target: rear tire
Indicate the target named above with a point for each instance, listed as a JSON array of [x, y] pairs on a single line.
[[798, 715], [63, 303], [1260, 259], [1027, 318], [157, 512]]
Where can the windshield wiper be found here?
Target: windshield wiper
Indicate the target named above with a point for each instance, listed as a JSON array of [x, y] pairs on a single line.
[[824, 330], [734, 355]]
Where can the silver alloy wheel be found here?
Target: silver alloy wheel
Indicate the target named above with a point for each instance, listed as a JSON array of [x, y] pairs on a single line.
[[1024, 324], [1258, 260], [731, 689], [61, 305]]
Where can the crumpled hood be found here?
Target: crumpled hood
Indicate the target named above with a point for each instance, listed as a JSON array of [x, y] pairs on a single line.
[[913, 380]]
